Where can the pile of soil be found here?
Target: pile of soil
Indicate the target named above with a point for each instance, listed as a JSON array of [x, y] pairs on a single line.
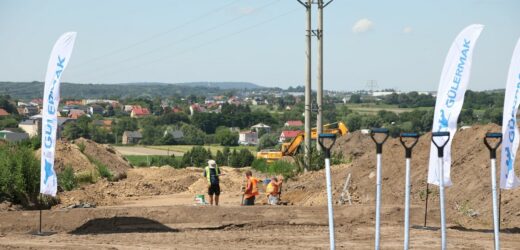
[[69, 155], [468, 201], [153, 181], [107, 155]]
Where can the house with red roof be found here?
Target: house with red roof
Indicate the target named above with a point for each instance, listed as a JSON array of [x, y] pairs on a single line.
[[3, 112], [288, 135], [138, 111], [76, 113], [294, 123]]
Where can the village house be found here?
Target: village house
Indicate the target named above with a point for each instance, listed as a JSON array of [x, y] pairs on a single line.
[[32, 126], [132, 137], [138, 111], [3, 112], [288, 135], [261, 127], [11, 136], [95, 109], [294, 123], [76, 113], [249, 138]]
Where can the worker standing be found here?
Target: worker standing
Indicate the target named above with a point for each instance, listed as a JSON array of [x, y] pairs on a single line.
[[212, 173], [273, 190], [251, 189]]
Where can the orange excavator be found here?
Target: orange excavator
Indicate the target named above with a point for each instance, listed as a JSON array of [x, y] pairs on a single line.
[[290, 148]]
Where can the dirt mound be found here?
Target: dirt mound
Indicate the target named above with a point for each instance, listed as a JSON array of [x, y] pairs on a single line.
[[143, 182], [106, 155], [69, 155], [468, 200]]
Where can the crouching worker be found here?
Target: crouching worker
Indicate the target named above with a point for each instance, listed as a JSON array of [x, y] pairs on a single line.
[[273, 190], [212, 173], [251, 189]]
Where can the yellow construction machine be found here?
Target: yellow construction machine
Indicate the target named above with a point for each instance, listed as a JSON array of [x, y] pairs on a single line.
[[290, 148]]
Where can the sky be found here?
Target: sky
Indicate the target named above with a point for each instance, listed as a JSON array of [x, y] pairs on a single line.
[[400, 44]]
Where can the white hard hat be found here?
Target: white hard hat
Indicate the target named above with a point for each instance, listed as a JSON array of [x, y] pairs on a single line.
[[212, 163]]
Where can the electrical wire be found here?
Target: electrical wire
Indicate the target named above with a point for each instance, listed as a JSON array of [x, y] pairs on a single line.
[[147, 63], [161, 48], [153, 37]]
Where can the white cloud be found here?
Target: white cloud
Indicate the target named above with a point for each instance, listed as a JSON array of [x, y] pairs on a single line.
[[407, 30], [362, 25]]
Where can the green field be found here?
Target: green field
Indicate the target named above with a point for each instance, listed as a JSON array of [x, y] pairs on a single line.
[[136, 160], [213, 148]]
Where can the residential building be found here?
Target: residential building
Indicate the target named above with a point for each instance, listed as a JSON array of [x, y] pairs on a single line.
[[248, 138], [132, 137], [62, 121], [76, 113], [31, 110], [175, 133], [128, 108], [95, 109], [261, 127], [288, 135], [32, 127], [138, 111], [294, 123], [11, 136], [3, 112]]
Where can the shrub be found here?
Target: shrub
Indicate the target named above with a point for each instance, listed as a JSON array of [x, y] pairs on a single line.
[[267, 141], [172, 161], [66, 179], [280, 167], [260, 165], [197, 156], [19, 174]]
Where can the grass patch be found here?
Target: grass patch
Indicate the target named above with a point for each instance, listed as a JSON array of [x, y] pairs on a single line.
[[139, 160], [81, 147], [102, 169], [86, 177], [67, 180]]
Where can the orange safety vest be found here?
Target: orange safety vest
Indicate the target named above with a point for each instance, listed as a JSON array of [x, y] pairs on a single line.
[[254, 189], [271, 189]]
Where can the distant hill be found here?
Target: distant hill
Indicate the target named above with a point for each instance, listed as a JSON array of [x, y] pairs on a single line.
[[222, 85], [29, 90]]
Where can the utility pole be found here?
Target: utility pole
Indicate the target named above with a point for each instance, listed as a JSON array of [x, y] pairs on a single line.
[[308, 85], [319, 98]]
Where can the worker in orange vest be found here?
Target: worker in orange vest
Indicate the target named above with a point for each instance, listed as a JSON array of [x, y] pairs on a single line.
[[273, 190], [251, 189]]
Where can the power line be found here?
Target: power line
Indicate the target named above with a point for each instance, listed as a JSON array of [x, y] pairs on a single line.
[[126, 69], [161, 48], [157, 35]]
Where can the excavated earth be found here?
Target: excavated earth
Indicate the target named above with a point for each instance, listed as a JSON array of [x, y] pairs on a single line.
[[154, 208]]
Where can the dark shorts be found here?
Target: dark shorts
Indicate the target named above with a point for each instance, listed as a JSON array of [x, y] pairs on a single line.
[[214, 189], [249, 201]]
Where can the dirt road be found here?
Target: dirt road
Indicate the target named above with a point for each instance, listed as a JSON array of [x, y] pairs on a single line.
[[140, 150], [229, 227]]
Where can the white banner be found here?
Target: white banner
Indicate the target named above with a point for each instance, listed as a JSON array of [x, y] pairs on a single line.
[[508, 179], [60, 57], [450, 97]]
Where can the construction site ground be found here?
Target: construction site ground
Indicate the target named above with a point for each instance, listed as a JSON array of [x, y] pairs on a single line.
[[154, 208]]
